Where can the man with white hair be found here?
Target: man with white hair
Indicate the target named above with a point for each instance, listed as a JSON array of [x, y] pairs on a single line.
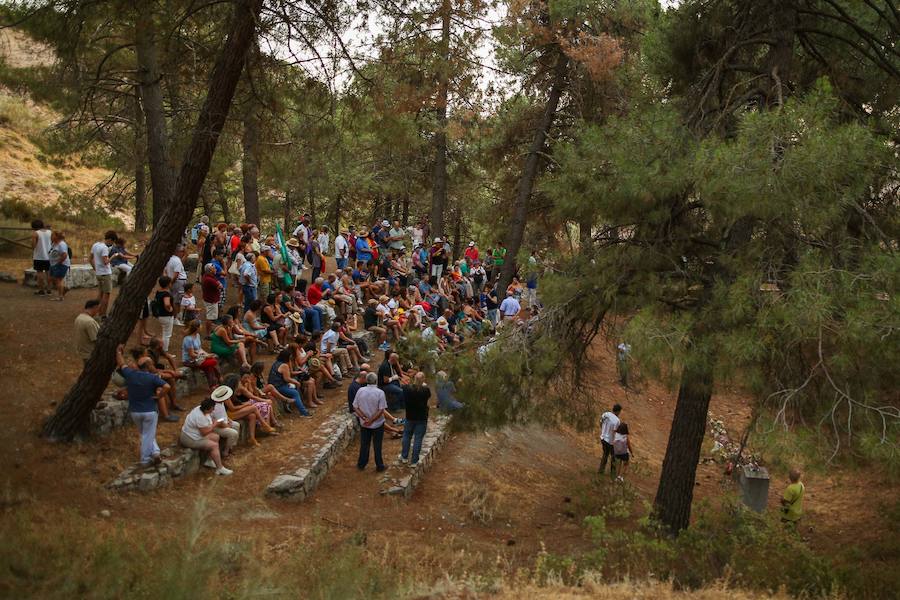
[[370, 405]]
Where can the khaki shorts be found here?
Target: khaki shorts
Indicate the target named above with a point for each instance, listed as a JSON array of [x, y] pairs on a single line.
[[105, 283], [212, 311]]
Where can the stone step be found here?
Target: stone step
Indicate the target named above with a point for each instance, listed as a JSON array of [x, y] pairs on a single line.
[[401, 480], [176, 462], [307, 472]]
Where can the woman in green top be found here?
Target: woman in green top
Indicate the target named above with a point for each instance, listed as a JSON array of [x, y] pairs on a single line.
[[225, 345]]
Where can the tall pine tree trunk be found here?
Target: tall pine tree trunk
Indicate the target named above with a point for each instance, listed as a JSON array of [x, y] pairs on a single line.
[[405, 217], [250, 166], [337, 214], [140, 176], [516, 230], [439, 178], [73, 415], [679, 469], [223, 200], [162, 178]]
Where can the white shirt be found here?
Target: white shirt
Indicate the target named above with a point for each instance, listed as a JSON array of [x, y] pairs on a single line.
[[340, 247], [329, 337], [62, 250], [609, 422], [98, 251], [323, 242], [418, 235], [42, 247], [175, 269], [189, 302], [193, 422], [397, 233], [384, 311]]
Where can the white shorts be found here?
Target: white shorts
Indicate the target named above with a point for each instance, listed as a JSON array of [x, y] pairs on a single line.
[[212, 311]]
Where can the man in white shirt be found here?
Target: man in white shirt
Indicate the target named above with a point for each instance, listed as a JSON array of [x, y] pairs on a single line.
[[100, 259], [510, 307], [330, 346], [40, 244], [396, 236], [609, 422], [174, 270], [341, 249]]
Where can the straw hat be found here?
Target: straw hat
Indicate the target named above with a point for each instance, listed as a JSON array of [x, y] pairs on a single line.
[[221, 393], [296, 318], [293, 243]]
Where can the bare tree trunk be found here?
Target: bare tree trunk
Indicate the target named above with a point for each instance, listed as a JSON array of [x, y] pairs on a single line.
[[405, 217], [439, 181], [73, 415], [516, 230], [679, 469], [337, 215], [140, 156], [312, 207], [162, 177], [250, 166], [584, 234], [204, 202], [223, 200]]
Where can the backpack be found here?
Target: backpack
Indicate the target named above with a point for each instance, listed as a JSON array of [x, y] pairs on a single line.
[[155, 308], [69, 250]]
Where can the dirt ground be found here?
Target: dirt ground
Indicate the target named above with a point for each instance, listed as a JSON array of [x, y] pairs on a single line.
[[505, 495]]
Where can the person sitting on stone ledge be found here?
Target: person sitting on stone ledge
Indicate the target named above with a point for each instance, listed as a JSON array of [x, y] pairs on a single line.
[[264, 389], [247, 394], [301, 371], [200, 433], [283, 379], [231, 433], [224, 343], [193, 356]]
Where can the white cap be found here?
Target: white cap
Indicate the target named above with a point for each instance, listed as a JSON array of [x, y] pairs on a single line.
[[385, 223], [438, 240], [472, 243]]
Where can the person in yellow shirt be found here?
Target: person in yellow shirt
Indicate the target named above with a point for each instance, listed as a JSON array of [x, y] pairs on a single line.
[[264, 271], [792, 501]]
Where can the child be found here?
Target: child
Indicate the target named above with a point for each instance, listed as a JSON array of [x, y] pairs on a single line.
[[188, 304], [622, 449]]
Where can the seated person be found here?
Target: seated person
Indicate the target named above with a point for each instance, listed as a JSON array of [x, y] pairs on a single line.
[[258, 329], [194, 357], [447, 402], [199, 432], [224, 343]]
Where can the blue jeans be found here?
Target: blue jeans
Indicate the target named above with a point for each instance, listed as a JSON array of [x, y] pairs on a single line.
[[341, 263], [372, 437], [249, 295], [414, 430], [312, 320], [146, 424], [294, 395], [394, 395]]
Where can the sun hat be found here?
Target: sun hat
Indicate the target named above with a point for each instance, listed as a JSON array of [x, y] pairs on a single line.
[[221, 393], [472, 243], [293, 243], [438, 240], [442, 322], [295, 318]]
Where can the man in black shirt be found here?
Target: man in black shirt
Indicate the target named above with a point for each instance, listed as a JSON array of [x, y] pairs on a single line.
[[389, 382], [416, 398], [358, 382]]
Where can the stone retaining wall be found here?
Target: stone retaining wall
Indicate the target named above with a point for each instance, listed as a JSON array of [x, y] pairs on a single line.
[[79, 276], [435, 437], [176, 462], [338, 431]]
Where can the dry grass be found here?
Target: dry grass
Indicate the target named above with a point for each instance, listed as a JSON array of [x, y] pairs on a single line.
[[479, 500]]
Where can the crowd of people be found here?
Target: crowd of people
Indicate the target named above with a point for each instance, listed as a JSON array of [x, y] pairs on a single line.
[[251, 294]]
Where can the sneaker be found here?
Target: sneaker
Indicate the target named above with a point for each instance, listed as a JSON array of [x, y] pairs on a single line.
[[224, 471], [620, 479], [402, 460], [171, 418], [179, 322], [384, 347], [209, 463], [413, 465]]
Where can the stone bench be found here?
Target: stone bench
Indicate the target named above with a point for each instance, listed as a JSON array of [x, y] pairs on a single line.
[[435, 437], [176, 462], [338, 431], [79, 276]]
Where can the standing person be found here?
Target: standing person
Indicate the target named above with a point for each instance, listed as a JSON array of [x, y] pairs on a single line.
[[358, 383], [792, 501], [188, 304], [623, 352], [40, 246], [341, 249], [174, 270], [60, 261], [510, 307], [396, 236], [264, 271], [531, 281], [249, 279], [418, 234], [622, 450], [199, 431], [324, 240], [211, 290], [143, 387], [103, 270], [363, 248], [609, 422], [437, 256], [317, 260], [471, 252], [164, 310], [86, 329], [370, 406], [499, 257], [416, 398]]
